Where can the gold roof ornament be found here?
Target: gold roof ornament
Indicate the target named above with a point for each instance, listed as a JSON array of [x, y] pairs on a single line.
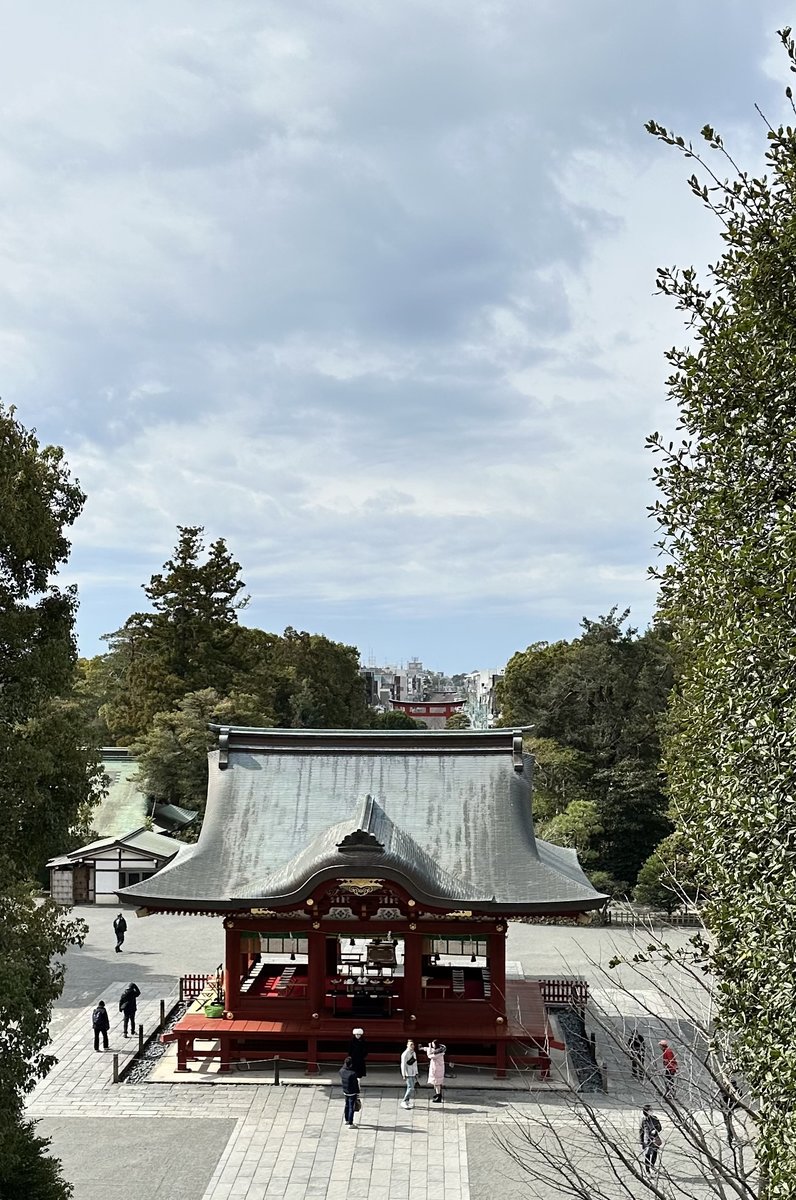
[[361, 887]]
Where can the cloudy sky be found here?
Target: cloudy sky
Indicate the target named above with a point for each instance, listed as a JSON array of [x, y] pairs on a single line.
[[366, 288]]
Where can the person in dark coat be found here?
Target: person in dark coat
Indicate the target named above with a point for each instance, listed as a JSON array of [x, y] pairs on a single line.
[[127, 1006], [649, 1135], [120, 929], [638, 1054], [358, 1051], [350, 1082], [101, 1024]]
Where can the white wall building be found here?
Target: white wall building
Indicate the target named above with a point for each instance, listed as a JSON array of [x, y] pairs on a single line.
[[93, 873]]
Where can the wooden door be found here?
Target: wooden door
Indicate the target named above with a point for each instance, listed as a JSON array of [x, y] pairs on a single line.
[[82, 889]]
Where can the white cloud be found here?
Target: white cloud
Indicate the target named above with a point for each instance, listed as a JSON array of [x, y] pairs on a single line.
[[367, 290]]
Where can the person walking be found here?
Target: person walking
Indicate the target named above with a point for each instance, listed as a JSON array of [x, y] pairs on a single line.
[[120, 929], [358, 1052], [670, 1068], [127, 1006], [436, 1068], [101, 1024], [649, 1134], [409, 1073], [350, 1083], [638, 1054]]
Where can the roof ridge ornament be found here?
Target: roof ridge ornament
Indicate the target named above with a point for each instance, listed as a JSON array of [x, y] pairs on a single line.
[[516, 753], [223, 747], [360, 840]]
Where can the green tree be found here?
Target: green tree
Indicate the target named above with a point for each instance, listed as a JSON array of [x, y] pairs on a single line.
[[578, 826], [595, 705], [192, 639], [458, 720], [172, 755], [727, 510], [47, 779], [396, 719], [667, 879], [560, 775], [93, 686], [305, 680]]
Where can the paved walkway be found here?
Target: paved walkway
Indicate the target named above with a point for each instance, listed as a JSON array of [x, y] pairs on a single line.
[[172, 1141]]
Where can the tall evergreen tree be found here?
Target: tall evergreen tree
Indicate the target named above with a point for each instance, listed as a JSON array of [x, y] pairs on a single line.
[[47, 779], [728, 515], [191, 641], [595, 705]]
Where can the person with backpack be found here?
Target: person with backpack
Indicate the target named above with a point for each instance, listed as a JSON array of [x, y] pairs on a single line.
[[127, 1006], [409, 1073], [350, 1082], [101, 1024], [650, 1137]]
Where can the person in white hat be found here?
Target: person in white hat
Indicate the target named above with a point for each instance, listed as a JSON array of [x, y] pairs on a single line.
[[358, 1051]]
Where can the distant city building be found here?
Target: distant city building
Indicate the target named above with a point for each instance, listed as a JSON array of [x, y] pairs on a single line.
[[482, 705], [432, 697], [383, 685]]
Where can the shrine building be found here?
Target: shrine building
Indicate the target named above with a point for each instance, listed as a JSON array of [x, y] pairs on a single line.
[[368, 878]]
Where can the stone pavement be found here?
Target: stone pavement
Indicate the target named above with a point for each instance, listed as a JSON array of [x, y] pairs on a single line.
[[218, 1142], [170, 1141]]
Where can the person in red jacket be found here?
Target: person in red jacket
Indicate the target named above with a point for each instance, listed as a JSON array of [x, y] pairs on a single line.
[[670, 1068]]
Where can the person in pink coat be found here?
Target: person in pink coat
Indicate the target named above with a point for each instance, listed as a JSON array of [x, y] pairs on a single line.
[[436, 1068]]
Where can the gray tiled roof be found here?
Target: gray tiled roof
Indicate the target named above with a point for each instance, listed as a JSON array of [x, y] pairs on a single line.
[[448, 815], [146, 841], [124, 807]]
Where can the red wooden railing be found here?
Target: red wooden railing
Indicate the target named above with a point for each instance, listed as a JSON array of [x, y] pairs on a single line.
[[192, 986], [568, 990]]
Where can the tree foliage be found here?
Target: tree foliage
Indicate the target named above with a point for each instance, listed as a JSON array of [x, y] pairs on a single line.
[[595, 705], [395, 718], [727, 510], [191, 640], [458, 720], [48, 779], [667, 879], [172, 755], [585, 1145]]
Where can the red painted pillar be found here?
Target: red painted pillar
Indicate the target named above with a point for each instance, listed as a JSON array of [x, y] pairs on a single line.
[[316, 987], [184, 1047], [316, 972], [413, 970], [496, 950], [232, 969]]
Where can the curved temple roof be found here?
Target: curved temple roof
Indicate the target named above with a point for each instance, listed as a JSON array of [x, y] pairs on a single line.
[[446, 815]]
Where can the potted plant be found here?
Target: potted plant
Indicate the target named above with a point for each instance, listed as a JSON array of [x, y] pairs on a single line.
[[214, 1008]]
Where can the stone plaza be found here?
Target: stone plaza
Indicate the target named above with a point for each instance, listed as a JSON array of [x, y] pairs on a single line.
[[245, 1140]]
